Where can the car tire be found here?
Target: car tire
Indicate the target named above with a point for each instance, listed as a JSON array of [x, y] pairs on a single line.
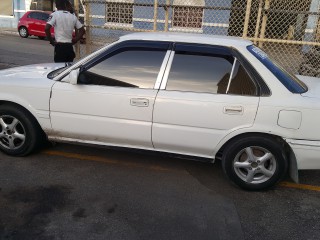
[[20, 133], [254, 162], [23, 32]]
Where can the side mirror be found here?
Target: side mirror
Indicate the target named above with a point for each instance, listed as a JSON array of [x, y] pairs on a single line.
[[73, 76]]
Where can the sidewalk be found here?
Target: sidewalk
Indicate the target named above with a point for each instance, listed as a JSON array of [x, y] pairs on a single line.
[[9, 31]]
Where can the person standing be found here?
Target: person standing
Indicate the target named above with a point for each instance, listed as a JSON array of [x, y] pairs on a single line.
[[64, 23]]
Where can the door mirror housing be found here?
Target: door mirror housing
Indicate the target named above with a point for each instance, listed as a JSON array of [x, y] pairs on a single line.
[[73, 76]]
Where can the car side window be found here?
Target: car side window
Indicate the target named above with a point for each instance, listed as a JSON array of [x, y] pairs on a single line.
[[198, 72], [38, 16], [32, 15], [132, 67], [241, 83], [44, 16], [206, 69]]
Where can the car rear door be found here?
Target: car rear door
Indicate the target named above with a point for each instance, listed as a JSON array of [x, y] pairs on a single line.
[[206, 93], [114, 98]]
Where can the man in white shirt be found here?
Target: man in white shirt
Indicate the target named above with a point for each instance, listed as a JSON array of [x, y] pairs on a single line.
[[63, 22]]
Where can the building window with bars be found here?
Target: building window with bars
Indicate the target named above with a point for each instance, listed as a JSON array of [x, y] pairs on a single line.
[[119, 12], [187, 16]]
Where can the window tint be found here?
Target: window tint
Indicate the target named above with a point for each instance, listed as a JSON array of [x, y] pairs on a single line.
[[34, 15], [44, 16], [131, 68], [198, 72], [38, 15], [291, 82], [241, 83]]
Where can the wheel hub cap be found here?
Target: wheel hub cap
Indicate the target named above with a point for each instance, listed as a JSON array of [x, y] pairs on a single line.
[[12, 132], [254, 164]]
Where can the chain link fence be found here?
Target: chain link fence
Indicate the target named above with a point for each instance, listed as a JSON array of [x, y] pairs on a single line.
[[288, 30]]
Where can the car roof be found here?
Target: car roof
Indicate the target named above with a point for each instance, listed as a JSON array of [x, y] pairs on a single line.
[[40, 11], [189, 38]]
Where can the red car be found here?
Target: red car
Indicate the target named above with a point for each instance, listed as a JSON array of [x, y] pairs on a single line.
[[33, 23]]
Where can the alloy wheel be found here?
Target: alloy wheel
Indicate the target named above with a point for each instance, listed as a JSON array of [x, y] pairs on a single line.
[[254, 164], [12, 132]]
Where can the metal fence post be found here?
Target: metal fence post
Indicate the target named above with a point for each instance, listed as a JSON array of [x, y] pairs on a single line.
[[155, 15], [264, 22], [318, 30], [256, 33], [88, 24], [166, 25], [247, 19], [76, 9]]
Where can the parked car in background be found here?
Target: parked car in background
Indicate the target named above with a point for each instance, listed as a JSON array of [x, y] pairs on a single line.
[[33, 23], [209, 97]]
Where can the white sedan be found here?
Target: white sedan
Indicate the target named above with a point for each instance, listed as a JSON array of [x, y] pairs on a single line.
[[208, 97]]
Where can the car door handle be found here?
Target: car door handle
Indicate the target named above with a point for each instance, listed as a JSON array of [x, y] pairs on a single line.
[[139, 102], [233, 110]]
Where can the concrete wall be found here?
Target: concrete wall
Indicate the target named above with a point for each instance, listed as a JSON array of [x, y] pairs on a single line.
[[18, 11]]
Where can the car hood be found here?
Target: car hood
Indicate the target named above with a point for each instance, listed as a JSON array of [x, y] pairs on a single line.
[[313, 85], [30, 71]]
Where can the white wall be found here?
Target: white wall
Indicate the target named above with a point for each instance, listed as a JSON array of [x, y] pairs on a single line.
[[27, 4]]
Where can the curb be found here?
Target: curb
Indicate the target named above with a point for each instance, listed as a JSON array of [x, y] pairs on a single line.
[[9, 31]]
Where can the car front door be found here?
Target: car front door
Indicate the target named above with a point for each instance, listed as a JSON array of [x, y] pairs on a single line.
[[206, 93], [113, 101], [32, 23], [42, 21]]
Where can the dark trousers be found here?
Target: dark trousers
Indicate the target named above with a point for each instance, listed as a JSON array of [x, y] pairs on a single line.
[[63, 52]]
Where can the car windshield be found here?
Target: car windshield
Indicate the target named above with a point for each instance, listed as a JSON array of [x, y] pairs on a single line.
[[291, 82]]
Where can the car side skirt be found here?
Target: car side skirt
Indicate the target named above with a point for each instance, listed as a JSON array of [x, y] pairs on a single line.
[[136, 149]]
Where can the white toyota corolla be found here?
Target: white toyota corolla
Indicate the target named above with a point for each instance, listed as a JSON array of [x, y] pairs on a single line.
[[204, 96]]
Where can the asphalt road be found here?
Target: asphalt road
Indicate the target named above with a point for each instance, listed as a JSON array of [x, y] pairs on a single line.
[[73, 192], [15, 51]]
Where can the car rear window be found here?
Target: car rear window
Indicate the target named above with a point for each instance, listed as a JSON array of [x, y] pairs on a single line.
[[291, 82]]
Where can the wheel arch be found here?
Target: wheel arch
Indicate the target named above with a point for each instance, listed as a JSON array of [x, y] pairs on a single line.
[[26, 27], [32, 113], [36, 137], [288, 152]]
